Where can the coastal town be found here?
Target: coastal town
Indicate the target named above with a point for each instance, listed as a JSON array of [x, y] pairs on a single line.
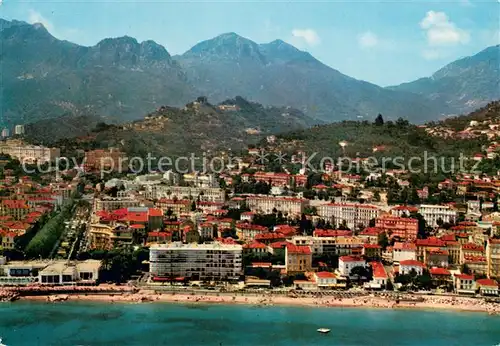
[[247, 232], [249, 173]]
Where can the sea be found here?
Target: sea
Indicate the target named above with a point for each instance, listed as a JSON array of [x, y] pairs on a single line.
[[97, 323]]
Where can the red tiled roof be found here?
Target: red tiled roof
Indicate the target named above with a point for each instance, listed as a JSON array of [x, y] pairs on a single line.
[[5, 233], [14, 204], [228, 240], [298, 249], [487, 282], [287, 230], [155, 212], [448, 237], [250, 226], [378, 270], [467, 223], [371, 231], [403, 207], [439, 271], [137, 217], [475, 259], [372, 246], [472, 247], [331, 233], [404, 246], [255, 245], [136, 226], [351, 259], [325, 275], [464, 276], [269, 236], [432, 241], [438, 252], [396, 219], [279, 244], [159, 234], [411, 263]]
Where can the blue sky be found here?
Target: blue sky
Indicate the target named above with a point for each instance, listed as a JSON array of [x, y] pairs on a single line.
[[381, 42]]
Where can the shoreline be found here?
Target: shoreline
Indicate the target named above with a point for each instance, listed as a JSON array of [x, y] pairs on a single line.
[[458, 304]]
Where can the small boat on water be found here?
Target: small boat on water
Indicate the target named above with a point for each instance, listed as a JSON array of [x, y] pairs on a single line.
[[323, 330]]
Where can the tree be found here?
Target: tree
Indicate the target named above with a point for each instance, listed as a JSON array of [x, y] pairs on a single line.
[[383, 241], [424, 281], [422, 225], [414, 197], [305, 225], [402, 123], [360, 272], [169, 212], [343, 225], [215, 231], [379, 120], [403, 279], [311, 211]]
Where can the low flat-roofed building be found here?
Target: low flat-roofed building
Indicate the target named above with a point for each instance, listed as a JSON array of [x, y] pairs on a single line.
[[306, 285], [487, 287], [49, 272], [254, 282], [62, 272]]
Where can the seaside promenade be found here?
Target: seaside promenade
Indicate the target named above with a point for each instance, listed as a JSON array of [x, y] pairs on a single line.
[[366, 299]]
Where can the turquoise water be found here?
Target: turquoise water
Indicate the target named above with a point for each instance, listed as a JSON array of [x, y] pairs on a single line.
[[79, 323]]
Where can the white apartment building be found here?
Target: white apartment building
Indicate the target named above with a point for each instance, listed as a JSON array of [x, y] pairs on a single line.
[[200, 180], [19, 130], [208, 194], [266, 204], [30, 153], [352, 213], [433, 213], [404, 252], [213, 261], [318, 245], [346, 263], [330, 245], [407, 266], [107, 203]]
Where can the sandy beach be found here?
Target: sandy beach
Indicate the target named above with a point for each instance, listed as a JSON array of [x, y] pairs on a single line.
[[369, 301]]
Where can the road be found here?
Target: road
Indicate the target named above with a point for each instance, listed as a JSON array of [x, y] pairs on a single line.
[[74, 230]]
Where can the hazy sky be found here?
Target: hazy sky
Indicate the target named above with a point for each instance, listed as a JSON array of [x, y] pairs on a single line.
[[384, 42]]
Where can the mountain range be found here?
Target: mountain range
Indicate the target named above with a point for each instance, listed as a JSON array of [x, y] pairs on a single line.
[[120, 79], [197, 127]]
